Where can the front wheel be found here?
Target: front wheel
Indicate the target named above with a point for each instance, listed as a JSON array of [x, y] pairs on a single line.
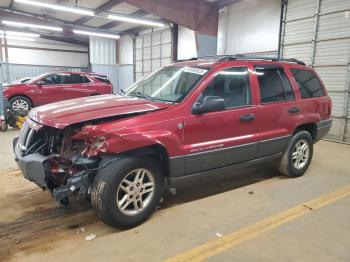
[[297, 158], [127, 191], [21, 104]]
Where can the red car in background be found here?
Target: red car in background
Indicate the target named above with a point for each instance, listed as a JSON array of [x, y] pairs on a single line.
[[54, 87]]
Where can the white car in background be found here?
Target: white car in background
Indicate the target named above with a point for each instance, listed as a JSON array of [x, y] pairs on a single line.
[[21, 80], [18, 81]]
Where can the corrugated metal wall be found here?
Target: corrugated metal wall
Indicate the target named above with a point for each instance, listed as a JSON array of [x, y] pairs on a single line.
[[318, 32], [126, 50], [18, 71], [103, 51], [121, 76], [103, 58], [126, 76], [46, 52], [126, 59], [186, 43], [249, 27], [152, 50], [112, 73]]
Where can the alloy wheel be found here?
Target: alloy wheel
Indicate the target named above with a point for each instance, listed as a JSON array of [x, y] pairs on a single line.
[[135, 192], [20, 105], [301, 154]]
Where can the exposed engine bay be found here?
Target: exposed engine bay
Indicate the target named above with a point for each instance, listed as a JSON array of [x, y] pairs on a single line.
[[64, 161]]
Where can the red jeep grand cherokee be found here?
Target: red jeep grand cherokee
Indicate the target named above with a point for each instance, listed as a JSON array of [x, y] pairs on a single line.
[[192, 117], [54, 87]]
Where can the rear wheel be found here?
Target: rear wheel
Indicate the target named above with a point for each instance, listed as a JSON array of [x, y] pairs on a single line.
[[126, 192], [297, 158], [21, 103]]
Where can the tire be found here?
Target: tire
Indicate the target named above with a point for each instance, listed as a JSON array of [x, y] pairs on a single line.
[[108, 186], [21, 103], [288, 165]]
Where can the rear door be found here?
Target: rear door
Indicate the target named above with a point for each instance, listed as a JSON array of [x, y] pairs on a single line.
[[278, 111], [77, 85], [218, 139]]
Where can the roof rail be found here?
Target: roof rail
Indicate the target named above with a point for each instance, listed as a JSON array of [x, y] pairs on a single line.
[[183, 60], [249, 57], [245, 57]]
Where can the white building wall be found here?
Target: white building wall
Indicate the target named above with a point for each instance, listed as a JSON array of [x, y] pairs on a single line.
[[186, 46], [126, 50], [103, 59], [250, 26], [19, 53], [17, 71], [102, 51], [126, 76], [126, 60]]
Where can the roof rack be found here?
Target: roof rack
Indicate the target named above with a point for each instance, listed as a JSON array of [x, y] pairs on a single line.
[[246, 57], [183, 60]]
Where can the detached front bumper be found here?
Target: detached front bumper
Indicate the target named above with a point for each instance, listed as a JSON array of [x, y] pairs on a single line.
[[32, 166]]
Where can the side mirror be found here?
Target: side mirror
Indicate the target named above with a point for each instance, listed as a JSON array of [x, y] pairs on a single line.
[[40, 83], [209, 104]]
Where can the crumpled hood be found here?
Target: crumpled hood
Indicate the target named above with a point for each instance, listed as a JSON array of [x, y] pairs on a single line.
[[65, 113]]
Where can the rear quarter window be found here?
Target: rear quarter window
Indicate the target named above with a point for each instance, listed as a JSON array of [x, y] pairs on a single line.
[[308, 83], [102, 79]]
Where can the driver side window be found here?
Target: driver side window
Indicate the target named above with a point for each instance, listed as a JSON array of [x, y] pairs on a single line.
[[52, 79], [232, 85]]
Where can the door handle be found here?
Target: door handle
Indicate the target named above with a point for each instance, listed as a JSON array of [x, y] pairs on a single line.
[[294, 110], [246, 118]]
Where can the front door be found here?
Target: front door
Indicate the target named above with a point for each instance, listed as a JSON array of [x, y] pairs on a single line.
[[218, 139], [50, 89]]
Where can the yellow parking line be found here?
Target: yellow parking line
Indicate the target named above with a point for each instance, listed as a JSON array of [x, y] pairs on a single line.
[[218, 245]]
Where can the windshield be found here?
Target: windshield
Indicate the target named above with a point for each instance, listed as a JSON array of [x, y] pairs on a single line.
[[36, 78], [168, 84]]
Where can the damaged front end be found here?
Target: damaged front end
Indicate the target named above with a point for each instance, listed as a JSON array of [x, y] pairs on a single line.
[[50, 158]]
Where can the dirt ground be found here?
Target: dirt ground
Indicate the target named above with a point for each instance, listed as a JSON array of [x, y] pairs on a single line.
[[31, 222]]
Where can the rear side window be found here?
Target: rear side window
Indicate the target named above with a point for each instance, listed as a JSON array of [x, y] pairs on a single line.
[[308, 83], [73, 79], [103, 79], [274, 85]]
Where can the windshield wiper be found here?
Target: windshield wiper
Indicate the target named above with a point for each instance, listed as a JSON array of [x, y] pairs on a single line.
[[142, 95], [151, 98]]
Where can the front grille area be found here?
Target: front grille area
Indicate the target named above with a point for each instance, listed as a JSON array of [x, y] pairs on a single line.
[[25, 136]]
